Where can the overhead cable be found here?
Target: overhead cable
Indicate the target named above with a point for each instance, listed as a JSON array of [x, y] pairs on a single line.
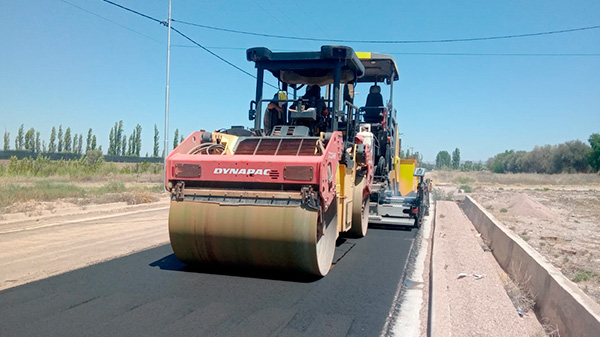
[[388, 41], [217, 56], [187, 38], [111, 21]]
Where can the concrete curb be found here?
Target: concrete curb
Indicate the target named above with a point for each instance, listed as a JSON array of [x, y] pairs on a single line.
[[556, 297]]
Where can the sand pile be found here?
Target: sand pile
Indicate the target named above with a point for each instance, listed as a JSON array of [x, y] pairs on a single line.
[[522, 205]]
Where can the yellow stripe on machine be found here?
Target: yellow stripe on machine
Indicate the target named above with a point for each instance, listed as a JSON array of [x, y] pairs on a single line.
[[363, 55]]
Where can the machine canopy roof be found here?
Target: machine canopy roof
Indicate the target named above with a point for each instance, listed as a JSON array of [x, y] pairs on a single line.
[[378, 67], [312, 68]]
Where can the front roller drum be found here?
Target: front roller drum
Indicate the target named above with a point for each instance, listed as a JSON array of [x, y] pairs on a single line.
[[253, 236]]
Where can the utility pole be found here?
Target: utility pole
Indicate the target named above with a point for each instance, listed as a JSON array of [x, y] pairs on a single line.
[[166, 147]]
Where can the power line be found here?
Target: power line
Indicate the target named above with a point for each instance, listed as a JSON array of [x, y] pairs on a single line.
[[135, 12], [387, 41], [217, 56], [164, 23], [418, 53], [111, 21]]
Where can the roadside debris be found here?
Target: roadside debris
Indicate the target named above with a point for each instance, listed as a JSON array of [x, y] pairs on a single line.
[[475, 276]]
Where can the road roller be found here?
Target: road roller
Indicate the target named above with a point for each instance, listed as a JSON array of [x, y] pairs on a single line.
[[278, 195]]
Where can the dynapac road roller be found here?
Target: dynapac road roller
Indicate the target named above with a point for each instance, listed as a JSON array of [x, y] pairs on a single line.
[[279, 195]]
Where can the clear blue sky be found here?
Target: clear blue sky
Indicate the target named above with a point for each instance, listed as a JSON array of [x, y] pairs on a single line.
[[62, 65]]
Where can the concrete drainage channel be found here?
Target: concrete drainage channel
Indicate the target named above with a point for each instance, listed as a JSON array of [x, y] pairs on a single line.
[[556, 297]]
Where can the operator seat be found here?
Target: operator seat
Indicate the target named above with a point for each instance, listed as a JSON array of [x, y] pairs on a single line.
[[374, 105]]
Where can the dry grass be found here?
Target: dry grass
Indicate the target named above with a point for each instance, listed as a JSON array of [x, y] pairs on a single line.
[[517, 292], [489, 178], [18, 194]]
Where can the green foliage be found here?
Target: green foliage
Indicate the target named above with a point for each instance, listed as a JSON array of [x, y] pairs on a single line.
[[569, 157], [456, 159], [88, 141], [38, 145], [79, 144], [41, 191], [111, 143], [6, 140], [60, 139], [112, 187], [30, 140], [123, 147], [462, 180], [441, 195], [92, 164], [176, 138], [118, 139], [156, 138], [19, 138], [467, 166], [93, 157], [443, 160], [67, 142], [583, 275], [52, 144], [594, 155], [503, 210], [466, 188]]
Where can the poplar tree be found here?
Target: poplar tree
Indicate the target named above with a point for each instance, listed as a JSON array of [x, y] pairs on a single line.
[[6, 140], [30, 140], [68, 140], [111, 143], [60, 139], [176, 138], [156, 139], [124, 146], [79, 144], [52, 144], [118, 139], [19, 138], [138, 139], [88, 142], [456, 159], [38, 145]]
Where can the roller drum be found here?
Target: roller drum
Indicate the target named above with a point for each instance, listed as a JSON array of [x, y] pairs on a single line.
[[248, 236]]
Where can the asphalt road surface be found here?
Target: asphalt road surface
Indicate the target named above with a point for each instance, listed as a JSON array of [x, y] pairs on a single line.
[[152, 293]]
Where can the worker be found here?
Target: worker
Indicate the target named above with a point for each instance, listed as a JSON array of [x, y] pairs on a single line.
[[275, 111], [312, 99]]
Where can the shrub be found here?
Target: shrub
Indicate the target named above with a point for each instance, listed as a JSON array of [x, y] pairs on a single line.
[[583, 275], [466, 188]]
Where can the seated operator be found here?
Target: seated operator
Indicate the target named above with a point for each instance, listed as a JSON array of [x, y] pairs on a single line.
[[275, 111], [312, 99]]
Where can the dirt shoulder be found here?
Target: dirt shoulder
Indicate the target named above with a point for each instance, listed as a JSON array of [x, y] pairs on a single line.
[[39, 246], [557, 215]]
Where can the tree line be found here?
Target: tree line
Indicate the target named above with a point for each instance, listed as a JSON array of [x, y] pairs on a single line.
[[570, 157], [444, 160], [65, 141]]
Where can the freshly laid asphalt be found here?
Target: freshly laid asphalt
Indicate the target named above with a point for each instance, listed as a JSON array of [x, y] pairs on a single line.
[[151, 293]]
